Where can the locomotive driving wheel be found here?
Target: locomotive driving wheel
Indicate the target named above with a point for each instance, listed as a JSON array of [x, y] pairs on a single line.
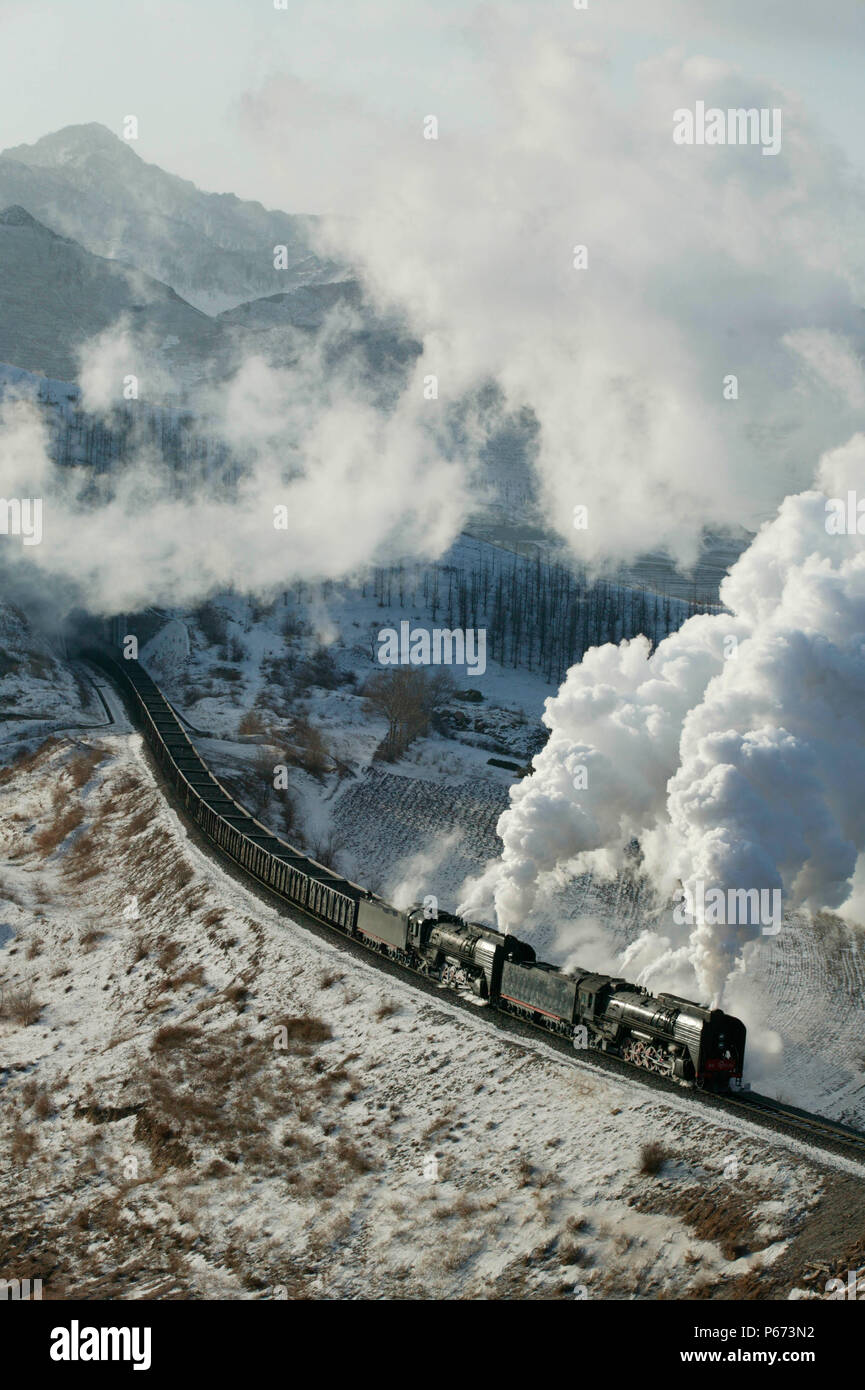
[[644, 1054]]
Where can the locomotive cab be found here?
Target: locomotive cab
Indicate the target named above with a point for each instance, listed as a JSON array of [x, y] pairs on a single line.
[[723, 1051]]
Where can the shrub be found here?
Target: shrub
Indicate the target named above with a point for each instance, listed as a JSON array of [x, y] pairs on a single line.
[[43, 1106], [309, 750], [213, 624], [386, 1008], [320, 669], [19, 1006], [306, 1029], [47, 840], [173, 1035], [81, 768], [252, 723], [652, 1158]]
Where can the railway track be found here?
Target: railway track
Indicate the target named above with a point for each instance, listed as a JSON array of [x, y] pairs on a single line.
[[813, 1126], [161, 722]]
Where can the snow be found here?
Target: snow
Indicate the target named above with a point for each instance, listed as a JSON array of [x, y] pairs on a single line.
[[416, 1152]]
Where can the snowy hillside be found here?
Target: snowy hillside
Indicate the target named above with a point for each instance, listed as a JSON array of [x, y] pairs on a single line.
[[205, 1100], [258, 694], [214, 249], [55, 297]]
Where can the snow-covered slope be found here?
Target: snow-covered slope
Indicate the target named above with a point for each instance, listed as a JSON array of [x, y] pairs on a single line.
[[203, 1099], [54, 296], [213, 248]]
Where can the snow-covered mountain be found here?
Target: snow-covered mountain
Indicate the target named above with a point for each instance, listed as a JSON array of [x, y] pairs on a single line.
[[215, 249], [55, 295], [304, 307], [380, 345]]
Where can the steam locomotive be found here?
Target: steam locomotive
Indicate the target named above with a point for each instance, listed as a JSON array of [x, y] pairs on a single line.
[[662, 1033]]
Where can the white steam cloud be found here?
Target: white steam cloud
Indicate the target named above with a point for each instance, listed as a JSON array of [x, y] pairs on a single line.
[[734, 753], [351, 483], [703, 264]]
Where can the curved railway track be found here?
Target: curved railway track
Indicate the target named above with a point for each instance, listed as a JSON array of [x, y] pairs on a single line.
[[221, 823]]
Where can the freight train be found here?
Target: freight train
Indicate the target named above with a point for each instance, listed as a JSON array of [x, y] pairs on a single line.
[[662, 1033]]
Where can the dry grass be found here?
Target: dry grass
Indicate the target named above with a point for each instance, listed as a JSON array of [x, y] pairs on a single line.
[[569, 1253], [22, 1144], [18, 1006], [28, 762], [9, 895], [353, 1157], [653, 1156], [168, 953], [722, 1217], [525, 1172], [173, 1035], [81, 768], [305, 1029], [43, 1105], [726, 1223], [441, 1123], [139, 822], [193, 976], [180, 875], [127, 782], [48, 839], [83, 862], [386, 1008], [465, 1206], [456, 1259], [252, 723]]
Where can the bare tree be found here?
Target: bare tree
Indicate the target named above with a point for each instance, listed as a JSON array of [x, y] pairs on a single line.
[[405, 696]]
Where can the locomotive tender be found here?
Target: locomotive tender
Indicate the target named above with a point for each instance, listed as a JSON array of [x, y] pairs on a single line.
[[661, 1033]]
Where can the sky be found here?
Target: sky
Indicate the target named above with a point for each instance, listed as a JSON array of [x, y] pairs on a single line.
[[293, 107]]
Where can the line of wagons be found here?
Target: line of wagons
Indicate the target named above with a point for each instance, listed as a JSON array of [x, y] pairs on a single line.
[[661, 1033]]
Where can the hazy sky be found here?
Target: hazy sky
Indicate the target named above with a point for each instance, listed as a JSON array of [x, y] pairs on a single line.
[[291, 106]]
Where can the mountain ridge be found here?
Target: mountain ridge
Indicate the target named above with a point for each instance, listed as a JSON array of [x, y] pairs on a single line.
[[215, 249], [55, 295]]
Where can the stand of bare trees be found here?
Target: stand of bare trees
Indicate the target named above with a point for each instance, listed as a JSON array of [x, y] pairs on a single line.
[[78, 437], [538, 614], [406, 697]]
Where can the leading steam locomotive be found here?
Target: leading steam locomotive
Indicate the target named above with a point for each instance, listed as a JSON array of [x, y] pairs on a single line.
[[661, 1033]]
